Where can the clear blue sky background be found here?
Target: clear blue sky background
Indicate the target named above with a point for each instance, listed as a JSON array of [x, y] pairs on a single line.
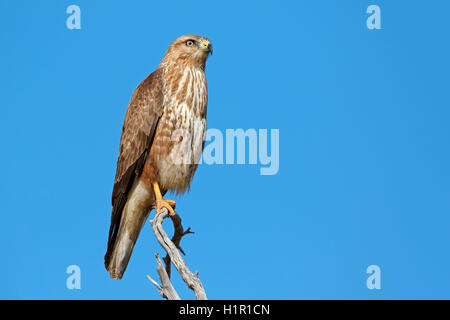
[[364, 147]]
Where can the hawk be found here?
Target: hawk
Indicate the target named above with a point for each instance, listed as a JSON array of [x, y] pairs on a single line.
[[162, 138]]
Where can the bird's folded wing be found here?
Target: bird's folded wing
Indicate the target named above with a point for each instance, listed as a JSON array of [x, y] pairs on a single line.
[[141, 120]]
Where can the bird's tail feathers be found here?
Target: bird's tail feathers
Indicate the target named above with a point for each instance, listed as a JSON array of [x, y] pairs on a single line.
[[134, 215]]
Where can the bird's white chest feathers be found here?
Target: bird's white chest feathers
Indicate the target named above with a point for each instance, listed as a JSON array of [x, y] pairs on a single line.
[[186, 119]]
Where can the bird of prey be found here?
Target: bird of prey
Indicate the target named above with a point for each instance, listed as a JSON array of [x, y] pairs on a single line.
[[162, 140]]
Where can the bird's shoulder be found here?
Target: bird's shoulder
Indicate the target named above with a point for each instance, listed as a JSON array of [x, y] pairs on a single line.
[[141, 118], [148, 95]]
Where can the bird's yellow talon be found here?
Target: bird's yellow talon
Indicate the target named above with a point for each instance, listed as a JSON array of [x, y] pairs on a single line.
[[162, 203], [171, 203]]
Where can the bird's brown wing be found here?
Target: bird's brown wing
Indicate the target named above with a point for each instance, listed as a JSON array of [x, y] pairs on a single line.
[[139, 127]]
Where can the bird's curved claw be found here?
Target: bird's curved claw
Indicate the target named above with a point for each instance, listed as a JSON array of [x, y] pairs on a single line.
[[168, 204]]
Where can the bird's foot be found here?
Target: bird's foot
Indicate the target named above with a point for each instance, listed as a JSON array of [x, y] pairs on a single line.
[[168, 204], [163, 203]]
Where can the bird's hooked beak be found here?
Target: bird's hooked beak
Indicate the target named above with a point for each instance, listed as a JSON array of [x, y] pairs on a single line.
[[206, 46]]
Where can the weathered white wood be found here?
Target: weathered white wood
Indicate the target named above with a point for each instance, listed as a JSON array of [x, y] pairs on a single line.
[[167, 290], [173, 255], [178, 234]]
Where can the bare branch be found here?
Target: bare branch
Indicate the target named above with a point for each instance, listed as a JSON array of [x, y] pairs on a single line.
[[167, 290], [171, 247], [179, 233]]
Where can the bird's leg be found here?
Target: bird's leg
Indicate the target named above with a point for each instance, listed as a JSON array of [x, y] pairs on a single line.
[[160, 202]]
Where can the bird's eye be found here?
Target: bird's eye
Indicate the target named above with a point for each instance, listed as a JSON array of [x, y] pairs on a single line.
[[189, 43]]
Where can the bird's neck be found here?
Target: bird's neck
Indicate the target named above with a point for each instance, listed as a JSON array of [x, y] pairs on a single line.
[[184, 61]]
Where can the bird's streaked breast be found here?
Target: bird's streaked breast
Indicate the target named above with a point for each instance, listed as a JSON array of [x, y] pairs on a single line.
[[182, 129]]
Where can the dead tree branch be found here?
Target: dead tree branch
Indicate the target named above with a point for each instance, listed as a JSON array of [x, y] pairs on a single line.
[[172, 247], [167, 290]]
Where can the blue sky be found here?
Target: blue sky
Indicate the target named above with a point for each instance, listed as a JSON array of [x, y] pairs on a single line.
[[364, 147]]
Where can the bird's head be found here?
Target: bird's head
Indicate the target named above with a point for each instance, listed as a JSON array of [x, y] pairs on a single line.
[[190, 49]]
